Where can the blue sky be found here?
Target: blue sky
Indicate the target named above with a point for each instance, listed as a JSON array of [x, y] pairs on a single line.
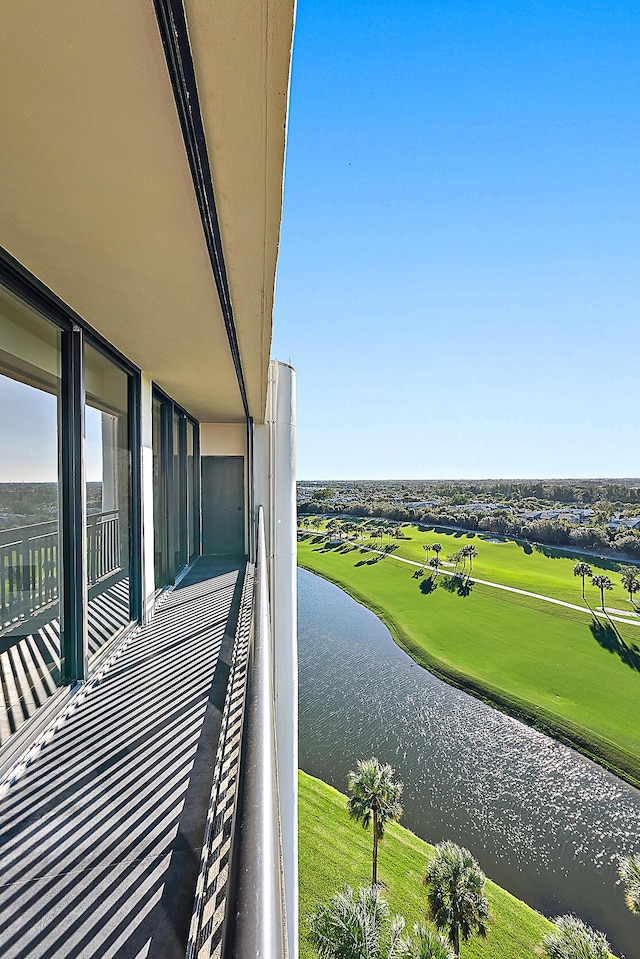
[[459, 273]]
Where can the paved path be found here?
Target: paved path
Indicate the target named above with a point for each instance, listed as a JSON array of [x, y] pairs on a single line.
[[508, 589]]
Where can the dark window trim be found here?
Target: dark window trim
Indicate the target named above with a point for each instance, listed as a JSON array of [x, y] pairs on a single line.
[[71, 525], [75, 333], [134, 404], [136, 597], [177, 49], [174, 489], [251, 492], [167, 398], [198, 489]]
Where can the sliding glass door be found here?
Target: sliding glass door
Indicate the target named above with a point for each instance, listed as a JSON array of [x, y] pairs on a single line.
[[108, 471], [176, 507], [31, 567]]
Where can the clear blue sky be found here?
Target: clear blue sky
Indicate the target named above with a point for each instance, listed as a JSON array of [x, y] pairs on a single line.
[[459, 274]]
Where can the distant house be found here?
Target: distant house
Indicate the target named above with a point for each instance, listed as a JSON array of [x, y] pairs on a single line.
[[624, 522]]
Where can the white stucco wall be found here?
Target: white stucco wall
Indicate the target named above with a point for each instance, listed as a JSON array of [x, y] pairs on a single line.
[[223, 439]]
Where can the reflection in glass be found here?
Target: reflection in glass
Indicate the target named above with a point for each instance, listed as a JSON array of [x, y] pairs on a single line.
[[108, 491], [192, 487], [175, 510], [179, 489], [159, 494], [30, 556]]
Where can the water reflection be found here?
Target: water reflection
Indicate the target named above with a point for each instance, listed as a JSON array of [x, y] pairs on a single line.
[[543, 821]]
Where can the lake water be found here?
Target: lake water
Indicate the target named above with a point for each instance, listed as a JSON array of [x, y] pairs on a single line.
[[543, 822]]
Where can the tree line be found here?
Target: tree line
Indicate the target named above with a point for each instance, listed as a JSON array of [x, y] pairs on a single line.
[[549, 532]]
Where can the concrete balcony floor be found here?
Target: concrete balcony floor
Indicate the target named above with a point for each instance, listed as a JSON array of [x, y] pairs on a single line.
[[101, 834]]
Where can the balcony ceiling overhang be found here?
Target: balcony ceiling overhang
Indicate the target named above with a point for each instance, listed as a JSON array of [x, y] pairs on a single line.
[[96, 193]]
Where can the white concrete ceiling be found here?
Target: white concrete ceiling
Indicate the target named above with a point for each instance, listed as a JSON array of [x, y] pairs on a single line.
[[96, 197]]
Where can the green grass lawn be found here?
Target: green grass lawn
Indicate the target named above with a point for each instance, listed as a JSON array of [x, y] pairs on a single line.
[[334, 850], [541, 570], [576, 678]]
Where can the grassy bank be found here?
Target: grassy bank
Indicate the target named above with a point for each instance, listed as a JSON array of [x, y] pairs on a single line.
[[572, 676], [334, 850]]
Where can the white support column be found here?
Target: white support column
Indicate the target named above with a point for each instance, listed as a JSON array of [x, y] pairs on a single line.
[[282, 546], [146, 477]]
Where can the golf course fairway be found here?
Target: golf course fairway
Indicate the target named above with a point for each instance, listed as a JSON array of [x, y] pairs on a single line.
[[570, 674]]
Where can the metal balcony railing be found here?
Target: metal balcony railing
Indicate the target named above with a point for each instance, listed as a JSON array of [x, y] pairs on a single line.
[[255, 922], [29, 563]]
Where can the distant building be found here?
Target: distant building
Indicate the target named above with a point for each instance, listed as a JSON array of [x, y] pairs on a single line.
[[624, 522]]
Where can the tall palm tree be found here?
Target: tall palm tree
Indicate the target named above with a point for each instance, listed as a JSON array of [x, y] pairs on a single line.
[[584, 570], [629, 872], [426, 549], [629, 579], [469, 551], [602, 582], [435, 563], [455, 899], [374, 799], [356, 926], [573, 939]]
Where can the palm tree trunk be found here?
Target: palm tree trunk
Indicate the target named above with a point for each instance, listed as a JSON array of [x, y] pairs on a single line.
[[455, 940], [583, 585], [602, 597], [374, 877]]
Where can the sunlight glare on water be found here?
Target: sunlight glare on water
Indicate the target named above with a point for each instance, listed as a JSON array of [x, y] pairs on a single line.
[[543, 821]]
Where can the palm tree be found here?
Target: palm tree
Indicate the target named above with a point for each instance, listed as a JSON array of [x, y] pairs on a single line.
[[426, 945], [573, 939], [629, 872], [374, 797], [456, 901], [629, 579], [584, 570], [356, 926], [435, 563], [469, 551], [602, 582], [426, 549]]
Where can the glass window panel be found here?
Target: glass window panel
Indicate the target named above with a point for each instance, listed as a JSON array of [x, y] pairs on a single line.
[[192, 506], [159, 485], [108, 492], [30, 554], [179, 505]]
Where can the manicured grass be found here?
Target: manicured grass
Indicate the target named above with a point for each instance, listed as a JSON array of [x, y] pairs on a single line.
[[334, 850], [541, 570], [571, 676]]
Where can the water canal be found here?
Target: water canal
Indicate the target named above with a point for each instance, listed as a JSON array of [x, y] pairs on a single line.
[[543, 822]]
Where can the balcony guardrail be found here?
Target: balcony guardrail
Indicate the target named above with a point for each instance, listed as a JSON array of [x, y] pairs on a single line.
[[103, 545], [29, 563], [255, 923]]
